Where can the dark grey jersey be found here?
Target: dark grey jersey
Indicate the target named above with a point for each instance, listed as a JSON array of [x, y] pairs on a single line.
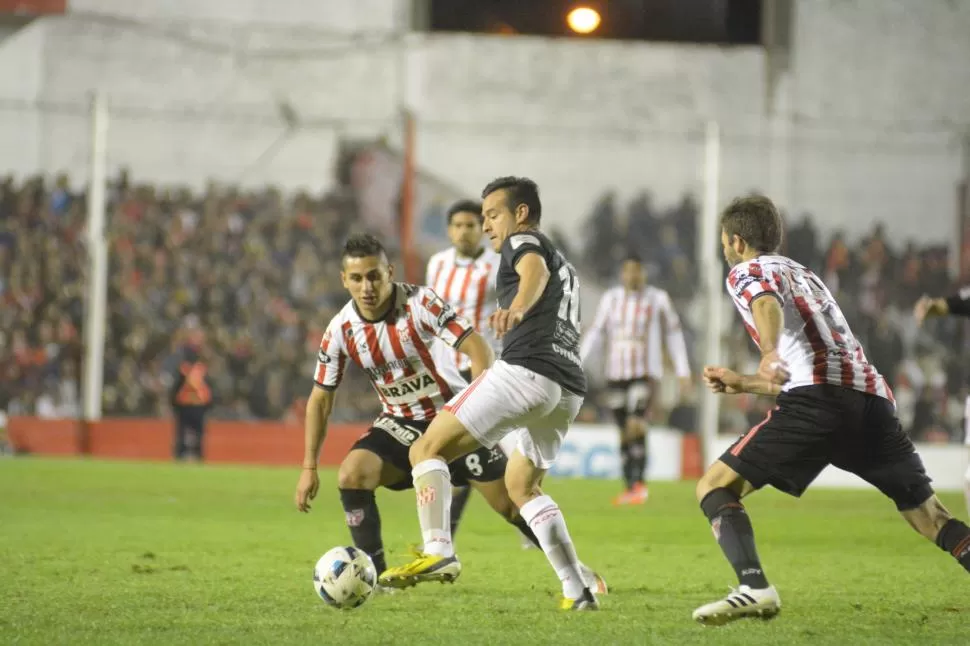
[[547, 339]]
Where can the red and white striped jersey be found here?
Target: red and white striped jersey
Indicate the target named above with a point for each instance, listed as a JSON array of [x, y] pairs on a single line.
[[816, 341], [394, 352], [468, 285], [635, 326]]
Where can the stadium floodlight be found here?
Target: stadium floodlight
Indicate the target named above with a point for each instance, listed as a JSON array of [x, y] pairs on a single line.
[[583, 20]]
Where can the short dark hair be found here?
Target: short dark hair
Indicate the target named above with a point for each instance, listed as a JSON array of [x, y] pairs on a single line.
[[362, 245], [755, 220], [633, 256], [465, 206], [519, 190]]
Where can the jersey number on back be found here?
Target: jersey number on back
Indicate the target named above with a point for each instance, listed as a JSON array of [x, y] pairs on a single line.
[[569, 305]]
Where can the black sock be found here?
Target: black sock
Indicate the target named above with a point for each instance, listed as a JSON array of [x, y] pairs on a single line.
[[638, 459], [364, 523], [459, 498], [954, 537], [625, 465], [734, 534], [526, 531]]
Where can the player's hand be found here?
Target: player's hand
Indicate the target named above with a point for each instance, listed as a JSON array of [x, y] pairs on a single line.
[[926, 307], [504, 320], [773, 369], [306, 489], [722, 380]]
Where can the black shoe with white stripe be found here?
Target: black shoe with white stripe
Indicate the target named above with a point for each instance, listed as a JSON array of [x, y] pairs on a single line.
[[742, 602]]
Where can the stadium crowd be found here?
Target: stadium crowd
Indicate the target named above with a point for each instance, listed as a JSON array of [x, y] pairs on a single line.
[[249, 278]]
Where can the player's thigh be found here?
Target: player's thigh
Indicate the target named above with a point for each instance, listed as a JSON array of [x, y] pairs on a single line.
[[384, 448], [788, 449], [541, 439], [502, 398], [446, 437], [878, 451]]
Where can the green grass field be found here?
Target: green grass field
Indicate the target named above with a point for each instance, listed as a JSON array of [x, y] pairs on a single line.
[[122, 553]]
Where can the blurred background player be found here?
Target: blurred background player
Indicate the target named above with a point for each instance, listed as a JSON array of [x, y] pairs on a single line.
[[464, 277], [191, 400], [956, 305], [636, 321], [832, 407], [537, 385]]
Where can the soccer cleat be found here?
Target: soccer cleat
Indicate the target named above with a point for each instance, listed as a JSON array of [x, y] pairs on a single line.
[[622, 499], [585, 602], [425, 567], [639, 494], [742, 602], [592, 580], [636, 495]]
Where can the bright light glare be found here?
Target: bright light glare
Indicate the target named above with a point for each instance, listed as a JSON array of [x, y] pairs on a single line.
[[583, 20]]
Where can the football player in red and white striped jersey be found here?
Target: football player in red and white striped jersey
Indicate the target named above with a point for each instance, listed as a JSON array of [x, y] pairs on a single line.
[[464, 276], [636, 321], [387, 329], [832, 407]]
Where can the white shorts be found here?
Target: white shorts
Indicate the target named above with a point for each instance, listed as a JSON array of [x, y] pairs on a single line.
[[511, 400]]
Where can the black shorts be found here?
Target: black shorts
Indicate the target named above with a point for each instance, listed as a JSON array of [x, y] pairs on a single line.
[[631, 397], [814, 426], [390, 438]]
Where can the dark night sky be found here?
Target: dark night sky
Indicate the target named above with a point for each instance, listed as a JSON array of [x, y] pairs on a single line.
[[705, 21]]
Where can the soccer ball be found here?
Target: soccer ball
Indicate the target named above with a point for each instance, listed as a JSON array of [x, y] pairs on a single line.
[[344, 577]]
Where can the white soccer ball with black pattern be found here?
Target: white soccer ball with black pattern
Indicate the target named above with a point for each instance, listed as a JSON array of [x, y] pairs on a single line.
[[344, 577]]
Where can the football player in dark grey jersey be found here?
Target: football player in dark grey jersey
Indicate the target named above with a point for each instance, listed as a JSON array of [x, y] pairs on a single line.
[[534, 391]]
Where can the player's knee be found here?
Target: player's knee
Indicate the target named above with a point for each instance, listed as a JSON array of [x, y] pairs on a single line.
[[718, 476], [708, 482], [421, 450], [354, 474]]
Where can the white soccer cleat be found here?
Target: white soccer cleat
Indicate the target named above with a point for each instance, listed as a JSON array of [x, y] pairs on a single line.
[[592, 580], [742, 602]]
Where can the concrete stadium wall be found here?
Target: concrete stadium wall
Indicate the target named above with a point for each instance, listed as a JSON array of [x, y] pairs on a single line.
[[263, 443], [590, 450], [865, 124]]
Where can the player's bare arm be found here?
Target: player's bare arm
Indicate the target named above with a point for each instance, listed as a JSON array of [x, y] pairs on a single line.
[[533, 278], [318, 409], [728, 382], [478, 351], [769, 320]]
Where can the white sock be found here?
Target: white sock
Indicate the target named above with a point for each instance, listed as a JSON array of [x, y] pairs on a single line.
[[432, 485], [547, 522]]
